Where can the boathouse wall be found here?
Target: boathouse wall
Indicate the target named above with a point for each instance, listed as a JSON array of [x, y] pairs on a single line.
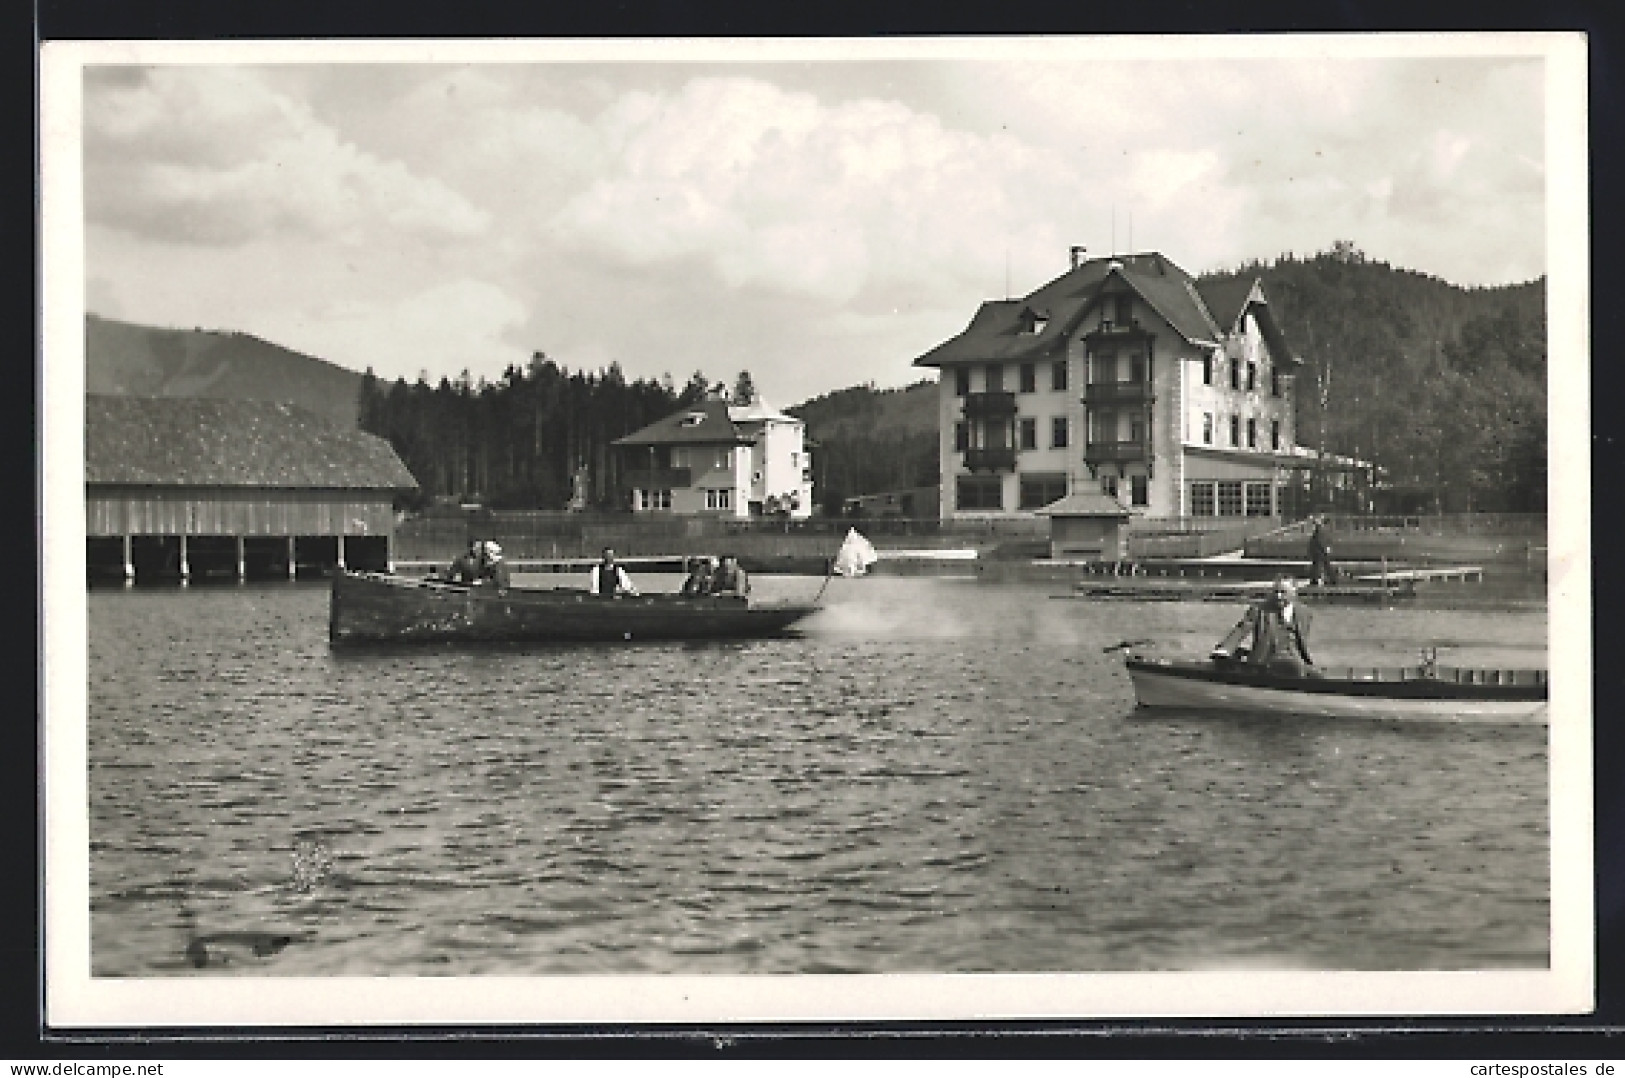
[[136, 511]]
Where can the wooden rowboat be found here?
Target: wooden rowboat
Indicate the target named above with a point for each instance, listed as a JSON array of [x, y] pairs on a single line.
[[379, 607], [1427, 692]]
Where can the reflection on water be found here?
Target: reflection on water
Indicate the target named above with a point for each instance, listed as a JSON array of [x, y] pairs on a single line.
[[939, 775]]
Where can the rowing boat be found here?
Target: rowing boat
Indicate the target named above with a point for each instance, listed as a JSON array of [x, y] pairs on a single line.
[[1427, 692], [381, 607]]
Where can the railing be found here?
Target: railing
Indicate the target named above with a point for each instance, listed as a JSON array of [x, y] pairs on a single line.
[[993, 405], [1114, 451], [990, 460], [1114, 392], [1525, 524]]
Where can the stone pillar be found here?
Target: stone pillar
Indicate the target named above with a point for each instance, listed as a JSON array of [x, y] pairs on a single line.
[[293, 567], [242, 561], [186, 568], [129, 562]]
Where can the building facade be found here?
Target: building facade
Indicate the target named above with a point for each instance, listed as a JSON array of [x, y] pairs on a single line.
[[718, 459], [1126, 377]]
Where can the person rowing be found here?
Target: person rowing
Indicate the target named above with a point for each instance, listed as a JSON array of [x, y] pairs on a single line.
[[1272, 634]]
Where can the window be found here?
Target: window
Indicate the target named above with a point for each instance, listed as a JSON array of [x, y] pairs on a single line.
[[1038, 323], [1252, 376], [654, 499], [1029, 378], [995, 378], [1108, 485], [719, 499], [1235, 430], [1252, 433], [1029, 434], [1235, 374], [961, 381], [961, 437], [795, 460], [1202, 504], [1258, 499], [1136, 429], [1207, 428], [1229, 496], [1057, 375], [979, 492], [724, 460], [1139, 492], [1275, 381], [1059, 434], [1105, 366], [1275, 434], [1037, 490], [1207, 370], [1124, 313], [1136, 367]]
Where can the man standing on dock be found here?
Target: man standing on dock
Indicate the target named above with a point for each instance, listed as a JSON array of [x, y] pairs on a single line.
[[1273, 634]]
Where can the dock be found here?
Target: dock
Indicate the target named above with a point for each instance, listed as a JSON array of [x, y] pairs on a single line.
[[1154, 590]]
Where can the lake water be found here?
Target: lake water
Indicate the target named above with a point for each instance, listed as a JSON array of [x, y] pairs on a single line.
[[938, 775]]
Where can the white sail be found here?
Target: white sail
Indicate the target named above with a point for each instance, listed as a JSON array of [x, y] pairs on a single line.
[[855, 555]]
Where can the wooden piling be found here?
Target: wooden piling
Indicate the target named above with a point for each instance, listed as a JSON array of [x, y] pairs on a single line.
[[186, 568]]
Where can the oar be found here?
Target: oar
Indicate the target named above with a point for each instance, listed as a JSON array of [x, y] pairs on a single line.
[[1119, 646]]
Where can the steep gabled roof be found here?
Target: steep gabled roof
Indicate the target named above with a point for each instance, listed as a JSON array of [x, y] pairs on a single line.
[[1228, 300], [191, 441], [995, 333], [706, 423]]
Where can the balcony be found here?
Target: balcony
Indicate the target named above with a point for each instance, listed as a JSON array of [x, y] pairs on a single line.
[[1113, 452], [658, 478], [990, 460], [994, 405], [1115, 393]]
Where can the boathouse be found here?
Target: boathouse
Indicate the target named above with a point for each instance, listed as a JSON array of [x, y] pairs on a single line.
[[1087, 526], [184, 488]]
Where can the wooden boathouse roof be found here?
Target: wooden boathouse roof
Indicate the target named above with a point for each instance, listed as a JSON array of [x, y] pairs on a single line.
[[197, 442]]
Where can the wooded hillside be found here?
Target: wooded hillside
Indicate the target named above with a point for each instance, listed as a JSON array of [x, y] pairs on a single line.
[[1443, 387], [129, 360]]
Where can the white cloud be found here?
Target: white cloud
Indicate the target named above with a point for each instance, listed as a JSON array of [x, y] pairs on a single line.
[[460, 324], [213, 155], [778, 192]]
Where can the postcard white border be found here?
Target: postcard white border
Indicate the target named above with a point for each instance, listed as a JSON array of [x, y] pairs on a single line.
[[75, 999]]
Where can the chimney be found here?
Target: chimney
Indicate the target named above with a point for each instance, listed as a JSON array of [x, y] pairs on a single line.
[[1077, 255]]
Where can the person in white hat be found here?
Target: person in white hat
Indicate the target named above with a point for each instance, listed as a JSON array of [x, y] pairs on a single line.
[[492, 567]]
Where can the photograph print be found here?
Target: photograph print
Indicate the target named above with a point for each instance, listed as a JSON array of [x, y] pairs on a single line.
[[824, 529]]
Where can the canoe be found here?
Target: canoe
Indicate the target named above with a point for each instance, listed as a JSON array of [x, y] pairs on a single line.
[[1424, 692], [380, 607]]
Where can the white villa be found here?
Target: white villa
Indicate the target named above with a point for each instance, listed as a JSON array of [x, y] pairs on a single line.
[[1125, 377], [720, 459]]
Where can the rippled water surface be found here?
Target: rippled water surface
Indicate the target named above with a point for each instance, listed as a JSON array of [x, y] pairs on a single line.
[[938, 775]]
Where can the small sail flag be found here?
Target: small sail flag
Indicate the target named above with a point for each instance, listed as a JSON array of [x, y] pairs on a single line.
[[855, 555]]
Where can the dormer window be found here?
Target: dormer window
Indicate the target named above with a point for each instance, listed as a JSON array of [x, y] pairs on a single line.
[[1123, 309], [1033, 322], [693, 419]]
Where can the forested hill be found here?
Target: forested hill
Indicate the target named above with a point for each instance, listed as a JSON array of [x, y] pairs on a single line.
[[870, 440], [1444, 387], [126, 359]]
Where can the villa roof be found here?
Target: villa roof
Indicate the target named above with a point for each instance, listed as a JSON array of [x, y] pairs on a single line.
[[705, 423], [192, 441], [1003, 329]]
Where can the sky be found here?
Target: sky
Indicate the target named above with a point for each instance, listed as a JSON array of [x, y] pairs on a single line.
[[819, 218]]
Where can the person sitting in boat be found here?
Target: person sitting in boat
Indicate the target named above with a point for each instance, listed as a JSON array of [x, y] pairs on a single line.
[[465, 568], [1273, 634], [492, 570], [609, 579], [730, 579], [700, 572]]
